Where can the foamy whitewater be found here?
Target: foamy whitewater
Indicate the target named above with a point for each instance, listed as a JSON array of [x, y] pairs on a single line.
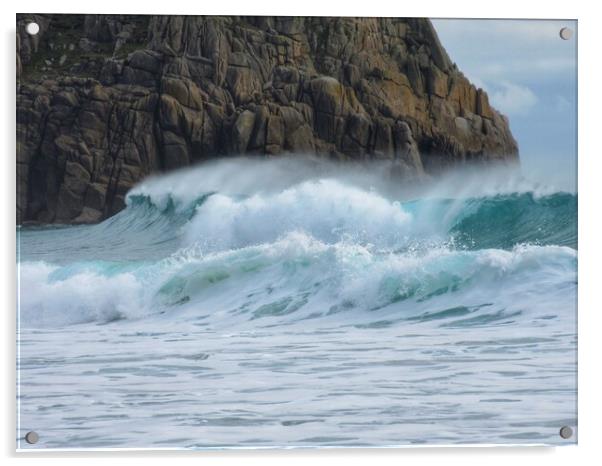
[[294, 303]]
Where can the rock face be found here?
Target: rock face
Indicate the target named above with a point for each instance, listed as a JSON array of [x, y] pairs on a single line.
[[104, 100]]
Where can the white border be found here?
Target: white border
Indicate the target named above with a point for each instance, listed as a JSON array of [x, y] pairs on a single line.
[[590, 234]]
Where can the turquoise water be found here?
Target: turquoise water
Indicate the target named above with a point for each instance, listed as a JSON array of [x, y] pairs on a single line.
[[327, 309]]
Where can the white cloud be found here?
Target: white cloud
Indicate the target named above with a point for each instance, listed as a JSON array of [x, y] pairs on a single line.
[[561, 104], [526, 68], [512, 99]]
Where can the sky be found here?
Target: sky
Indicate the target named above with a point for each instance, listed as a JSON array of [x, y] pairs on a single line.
[[530, 75]]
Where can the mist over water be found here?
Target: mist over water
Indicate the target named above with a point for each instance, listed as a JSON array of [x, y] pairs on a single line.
[[296, 302]]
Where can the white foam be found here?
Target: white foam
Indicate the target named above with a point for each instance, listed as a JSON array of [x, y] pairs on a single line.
[[295, 265], [85, 296], [326, 209], [248, 176]]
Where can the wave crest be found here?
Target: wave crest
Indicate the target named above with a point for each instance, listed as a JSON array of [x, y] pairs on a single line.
[[240, 241], [296, 276]]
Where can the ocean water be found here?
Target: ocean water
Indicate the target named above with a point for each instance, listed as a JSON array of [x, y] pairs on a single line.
[[293, 304]]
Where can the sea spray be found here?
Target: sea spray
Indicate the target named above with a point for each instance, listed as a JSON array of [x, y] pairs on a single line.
[[248, 305]]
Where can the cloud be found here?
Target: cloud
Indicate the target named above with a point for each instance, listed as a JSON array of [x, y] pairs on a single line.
[[513, 99], [562, 104], [529, 68]]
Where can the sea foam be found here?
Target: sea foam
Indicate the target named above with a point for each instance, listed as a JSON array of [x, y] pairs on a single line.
[[242, 240]]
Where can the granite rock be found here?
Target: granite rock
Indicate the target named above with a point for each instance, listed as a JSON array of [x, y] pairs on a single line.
[[126, 96]]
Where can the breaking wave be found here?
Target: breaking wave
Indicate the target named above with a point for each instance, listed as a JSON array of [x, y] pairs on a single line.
[[242, 243]]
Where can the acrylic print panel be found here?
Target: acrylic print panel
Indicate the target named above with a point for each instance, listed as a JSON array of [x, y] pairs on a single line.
[[295, 232]]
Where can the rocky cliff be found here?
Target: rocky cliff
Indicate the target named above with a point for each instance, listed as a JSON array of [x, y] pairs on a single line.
[[102, 101]]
